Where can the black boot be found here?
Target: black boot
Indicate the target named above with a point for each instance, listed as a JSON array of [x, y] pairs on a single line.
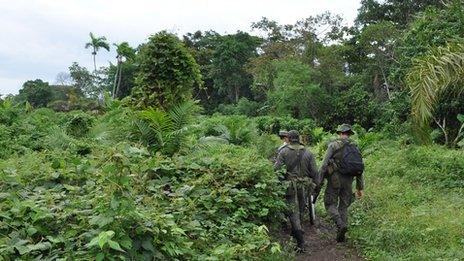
[[341, 234], [298, 234]]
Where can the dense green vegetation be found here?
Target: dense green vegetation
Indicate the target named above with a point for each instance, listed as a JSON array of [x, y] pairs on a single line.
[[413, 208], [81, 186], [165, 154]]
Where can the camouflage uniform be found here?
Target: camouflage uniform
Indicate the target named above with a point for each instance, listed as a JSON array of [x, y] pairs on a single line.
[[339, 192], [299, 174]]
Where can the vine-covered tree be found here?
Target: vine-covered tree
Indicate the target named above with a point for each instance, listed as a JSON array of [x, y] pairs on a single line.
[[167, 72]]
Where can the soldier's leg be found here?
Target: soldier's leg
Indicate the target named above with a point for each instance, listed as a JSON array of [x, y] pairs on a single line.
[[346, 198], [294, 216], [293, 209], [345, 201], [301, 202], [331, 200]]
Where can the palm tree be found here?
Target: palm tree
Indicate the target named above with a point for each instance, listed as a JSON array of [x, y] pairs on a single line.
[[124, 51], [163, 130], [96, 43], [432, 75]]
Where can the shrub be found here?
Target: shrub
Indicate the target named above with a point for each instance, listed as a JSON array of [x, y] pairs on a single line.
[[237, 129], [79, 125], [243, 107], [272, 125]]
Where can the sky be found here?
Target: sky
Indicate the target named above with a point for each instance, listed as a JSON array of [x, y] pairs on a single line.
[[42, 38]]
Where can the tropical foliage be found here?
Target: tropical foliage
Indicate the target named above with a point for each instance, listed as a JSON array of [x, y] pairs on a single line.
[[433, 76], [164, 155]]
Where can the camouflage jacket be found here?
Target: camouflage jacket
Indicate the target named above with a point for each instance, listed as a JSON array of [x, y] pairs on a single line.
[[327, 164], [290, 155]]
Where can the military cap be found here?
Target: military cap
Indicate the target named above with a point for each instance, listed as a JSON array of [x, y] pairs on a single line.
[[293, 136], [283, 133], [345, 128]]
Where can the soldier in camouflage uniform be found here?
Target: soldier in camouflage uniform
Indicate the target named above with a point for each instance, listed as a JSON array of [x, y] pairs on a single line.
[[338, 194], [301, 170]]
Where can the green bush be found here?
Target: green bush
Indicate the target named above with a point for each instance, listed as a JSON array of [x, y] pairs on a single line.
[[243, 107], [79, 125], [272, 125], [237, 129]]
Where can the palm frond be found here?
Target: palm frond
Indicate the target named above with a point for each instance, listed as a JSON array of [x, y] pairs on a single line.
[[103, 44], [429, 78], [223, 131], [183, 113], [158, 120], [145, 133]]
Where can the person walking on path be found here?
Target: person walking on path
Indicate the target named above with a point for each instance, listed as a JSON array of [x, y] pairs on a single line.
[[342, 164], [301, 171]]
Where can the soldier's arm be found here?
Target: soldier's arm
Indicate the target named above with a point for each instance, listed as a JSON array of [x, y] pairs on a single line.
[[325, 162], [279, 162], [313, 172], [360, 182]]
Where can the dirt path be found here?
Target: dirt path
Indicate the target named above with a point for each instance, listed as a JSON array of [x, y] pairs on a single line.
[[321, 244]]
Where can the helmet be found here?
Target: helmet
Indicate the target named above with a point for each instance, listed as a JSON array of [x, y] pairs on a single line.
[[345, 128], [283, 133], [293, 136]]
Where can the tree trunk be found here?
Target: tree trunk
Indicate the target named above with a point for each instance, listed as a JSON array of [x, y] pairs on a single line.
[[115, 81], [443, 129], [94, 62], [236, 94], [387, 86], [119, 78]]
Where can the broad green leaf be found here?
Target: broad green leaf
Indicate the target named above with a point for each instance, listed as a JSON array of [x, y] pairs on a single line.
[[461, 118], [115, 245], [100, 257]]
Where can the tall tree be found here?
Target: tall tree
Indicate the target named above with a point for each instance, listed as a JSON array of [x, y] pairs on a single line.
[[38, 93], [124, 52], [231, 55], [83, 80], [400, 12], [202, 46], [96, 43], [432, 29]]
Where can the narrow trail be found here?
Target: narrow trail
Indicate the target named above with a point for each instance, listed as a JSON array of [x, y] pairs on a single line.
[[321, 244]]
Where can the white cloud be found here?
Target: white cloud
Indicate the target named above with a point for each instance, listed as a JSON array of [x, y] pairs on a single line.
[[41, 38]]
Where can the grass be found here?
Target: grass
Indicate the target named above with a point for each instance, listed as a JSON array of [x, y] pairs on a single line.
[[413, 208]]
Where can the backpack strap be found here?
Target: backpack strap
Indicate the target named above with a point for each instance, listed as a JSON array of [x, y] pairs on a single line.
[[335, 156], [298, 161]]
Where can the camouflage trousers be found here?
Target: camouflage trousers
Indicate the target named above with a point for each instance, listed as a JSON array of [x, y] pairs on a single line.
[[296, 197], [338, 197]]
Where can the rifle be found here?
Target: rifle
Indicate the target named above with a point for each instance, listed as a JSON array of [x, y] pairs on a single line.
[[311, 202], [312, 210]]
